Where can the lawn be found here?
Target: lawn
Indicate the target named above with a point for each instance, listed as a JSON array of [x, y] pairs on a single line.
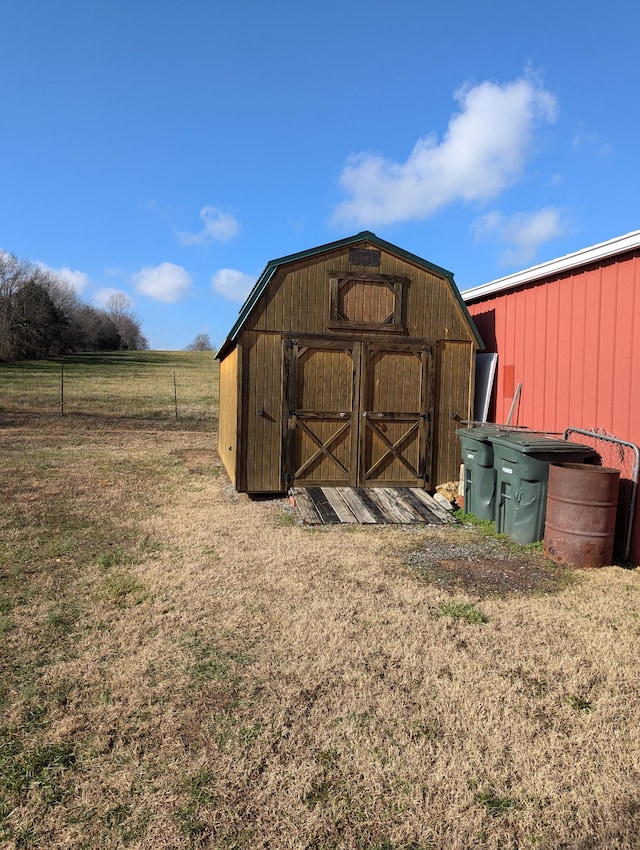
[[181, 666]]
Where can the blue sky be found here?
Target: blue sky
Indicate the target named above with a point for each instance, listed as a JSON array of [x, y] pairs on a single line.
[[169, 150]]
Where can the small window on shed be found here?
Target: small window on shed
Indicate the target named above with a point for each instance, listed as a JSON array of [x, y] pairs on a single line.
[[366, 301]]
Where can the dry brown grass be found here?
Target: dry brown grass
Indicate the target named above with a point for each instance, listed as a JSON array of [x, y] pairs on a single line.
[[185, 667]]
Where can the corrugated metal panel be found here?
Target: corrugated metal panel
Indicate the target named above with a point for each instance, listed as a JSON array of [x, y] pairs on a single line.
[[572, 341]]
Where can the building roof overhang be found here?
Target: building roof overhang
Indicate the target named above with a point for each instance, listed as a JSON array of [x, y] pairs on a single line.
[[552, 268]]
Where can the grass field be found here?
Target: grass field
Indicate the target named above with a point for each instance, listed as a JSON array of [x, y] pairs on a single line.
[[183, 667], [146, 384]]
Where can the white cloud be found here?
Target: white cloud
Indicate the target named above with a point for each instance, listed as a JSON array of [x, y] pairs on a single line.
[[166, 282], [592, 141], [483, 151], [218, 227], [232, 284], [79, 281], [522, 233]]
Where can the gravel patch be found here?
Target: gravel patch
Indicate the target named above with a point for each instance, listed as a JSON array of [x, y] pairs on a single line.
[[468, 560]]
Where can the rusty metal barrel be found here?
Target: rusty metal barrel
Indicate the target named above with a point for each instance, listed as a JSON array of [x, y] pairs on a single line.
[[582, 501]]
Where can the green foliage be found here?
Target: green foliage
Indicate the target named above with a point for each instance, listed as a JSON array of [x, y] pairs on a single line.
[[580, 704], [494, 804], [62, 618], [112, 558], [486, 525], [463, 611], [212, 661], [122, 589], [41, 765], [285, 519]]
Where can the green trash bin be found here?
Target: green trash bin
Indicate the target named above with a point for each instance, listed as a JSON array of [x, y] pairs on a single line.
[[479, 471], [521, 461]]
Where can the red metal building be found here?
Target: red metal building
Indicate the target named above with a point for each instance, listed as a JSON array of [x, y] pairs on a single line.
[[568, 331]]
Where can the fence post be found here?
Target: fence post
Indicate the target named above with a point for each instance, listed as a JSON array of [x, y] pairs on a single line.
[[61, 388], [175, 393]]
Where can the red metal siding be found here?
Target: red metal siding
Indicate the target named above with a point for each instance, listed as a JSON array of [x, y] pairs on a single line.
[[573, 341]]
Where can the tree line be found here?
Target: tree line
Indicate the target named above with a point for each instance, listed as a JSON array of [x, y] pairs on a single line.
[[42, 316]]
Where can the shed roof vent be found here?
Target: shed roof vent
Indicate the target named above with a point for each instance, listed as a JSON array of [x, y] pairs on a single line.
[[364, 257]]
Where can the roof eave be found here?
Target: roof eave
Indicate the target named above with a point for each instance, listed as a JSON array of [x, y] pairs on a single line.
[[584, 257]]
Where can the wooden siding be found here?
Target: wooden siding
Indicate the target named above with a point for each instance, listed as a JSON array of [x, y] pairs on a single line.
[[298, 299], [397, 446], [228, 419], [454, 395], [262, 414], [572, 341], [396, 411], [321, 390]]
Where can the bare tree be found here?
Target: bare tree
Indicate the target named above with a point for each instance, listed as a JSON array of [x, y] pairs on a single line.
[[202, 342], [12, 273], [42, 316], [30, 323], [120, 310], [97, 331]]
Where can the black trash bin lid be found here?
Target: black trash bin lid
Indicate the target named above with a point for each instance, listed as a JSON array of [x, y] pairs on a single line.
[[530, 442]]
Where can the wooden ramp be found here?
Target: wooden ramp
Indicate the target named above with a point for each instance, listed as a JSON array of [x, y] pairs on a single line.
[[367, 505]]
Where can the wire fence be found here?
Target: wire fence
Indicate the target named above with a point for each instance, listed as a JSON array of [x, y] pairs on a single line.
[[144, 390], [624, 456]]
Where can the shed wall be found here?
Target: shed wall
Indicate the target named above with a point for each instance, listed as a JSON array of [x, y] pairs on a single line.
[[297, 303], [262, 415], [572, 343], [454, 395], [297, 300], [228, 415]]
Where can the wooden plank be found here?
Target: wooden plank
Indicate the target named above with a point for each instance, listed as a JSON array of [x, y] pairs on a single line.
[[392, 507], [372, 504], [342, 509], [399, 505], [305, 505], [356, 505], [409, 495], [356, 365], [431, 503], [327, 513]]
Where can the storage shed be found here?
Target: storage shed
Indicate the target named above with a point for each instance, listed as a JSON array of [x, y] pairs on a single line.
[[567, 331], [343, 369]]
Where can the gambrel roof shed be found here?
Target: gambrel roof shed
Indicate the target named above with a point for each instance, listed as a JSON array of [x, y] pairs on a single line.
[[343, 368]]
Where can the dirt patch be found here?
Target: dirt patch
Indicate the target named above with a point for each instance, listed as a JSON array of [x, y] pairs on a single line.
[[198, 461], [479, 564]]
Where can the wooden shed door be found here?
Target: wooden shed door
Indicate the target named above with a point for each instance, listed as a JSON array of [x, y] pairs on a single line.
[[397, 402], [321, 386], [357, 414]]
